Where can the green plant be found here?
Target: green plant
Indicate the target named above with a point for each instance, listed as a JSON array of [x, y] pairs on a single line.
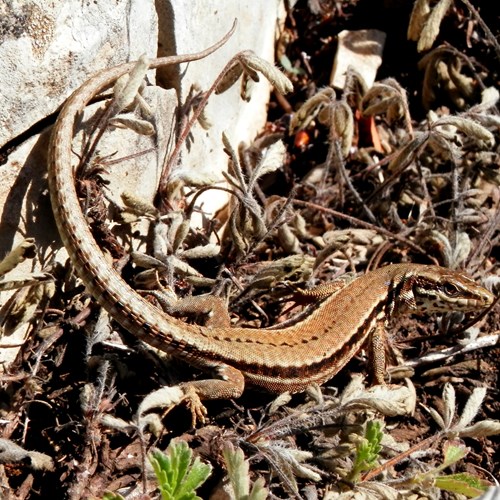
[[177, 473], [239, 478], [461, 483], [368, 450]]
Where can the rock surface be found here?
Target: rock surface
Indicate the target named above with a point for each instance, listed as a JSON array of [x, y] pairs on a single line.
[[48, 50]]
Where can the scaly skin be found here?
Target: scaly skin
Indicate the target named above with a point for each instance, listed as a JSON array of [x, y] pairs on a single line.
[[288, 359]]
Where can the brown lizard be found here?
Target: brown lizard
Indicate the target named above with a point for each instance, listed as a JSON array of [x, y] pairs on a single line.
[[288, 359]]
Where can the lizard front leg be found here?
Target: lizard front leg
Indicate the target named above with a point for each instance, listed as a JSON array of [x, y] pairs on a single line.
[[378, 343]]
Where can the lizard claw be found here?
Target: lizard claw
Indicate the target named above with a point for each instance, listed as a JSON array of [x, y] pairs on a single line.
[[194, 404], [168, 397]]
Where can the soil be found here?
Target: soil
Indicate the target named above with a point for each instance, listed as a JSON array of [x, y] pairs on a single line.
[[436, 202]]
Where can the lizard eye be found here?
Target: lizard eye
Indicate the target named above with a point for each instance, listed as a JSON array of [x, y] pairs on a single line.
[[450, 290]]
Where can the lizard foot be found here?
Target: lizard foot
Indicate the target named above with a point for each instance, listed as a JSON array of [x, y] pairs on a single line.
[[193, 402], [169, 397]]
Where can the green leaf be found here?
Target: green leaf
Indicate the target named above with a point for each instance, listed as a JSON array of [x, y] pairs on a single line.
[[453, 452], [178, 475], [197, 475], [258, 491], [239, 478], [368, 450], [287, 65], [237, 470], [112, 496], [464, 484]]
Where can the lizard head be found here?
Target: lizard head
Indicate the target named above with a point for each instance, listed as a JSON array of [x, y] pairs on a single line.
[[437, 289]]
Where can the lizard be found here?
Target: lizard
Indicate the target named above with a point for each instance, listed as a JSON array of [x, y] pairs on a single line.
[[291, 358]]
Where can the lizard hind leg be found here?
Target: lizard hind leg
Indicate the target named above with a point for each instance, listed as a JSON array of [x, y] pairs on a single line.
[[229, 385], [212, 309]]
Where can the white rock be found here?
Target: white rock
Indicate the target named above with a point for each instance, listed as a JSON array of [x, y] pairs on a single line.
[[361, 50], [240, 120], [48, 49]]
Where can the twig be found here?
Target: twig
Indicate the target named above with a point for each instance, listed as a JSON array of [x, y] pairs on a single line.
[[434, 357], [360, 223], [484, 26], [393, 461]]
